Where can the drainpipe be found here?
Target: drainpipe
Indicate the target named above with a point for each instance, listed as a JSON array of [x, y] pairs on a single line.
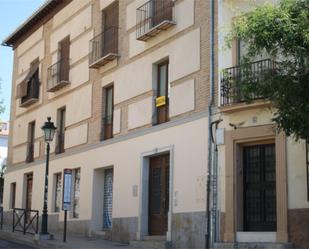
[[210, 105]]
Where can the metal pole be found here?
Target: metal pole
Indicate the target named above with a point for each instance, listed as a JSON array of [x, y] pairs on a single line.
[[45, 215], [65, 226]]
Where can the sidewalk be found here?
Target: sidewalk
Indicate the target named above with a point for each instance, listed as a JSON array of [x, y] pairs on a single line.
[[73, 242]]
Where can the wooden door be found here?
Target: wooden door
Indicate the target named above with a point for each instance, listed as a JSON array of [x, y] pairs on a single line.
[[158, 195], [162, 11], [260, 188], [110, 29], [29, 184], [29, 191], [64, 59]]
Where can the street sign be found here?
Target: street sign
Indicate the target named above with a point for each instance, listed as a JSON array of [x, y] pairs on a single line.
[[67, 185], [160, 101]]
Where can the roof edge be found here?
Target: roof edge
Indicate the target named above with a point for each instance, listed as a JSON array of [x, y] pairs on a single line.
[[37, 15]]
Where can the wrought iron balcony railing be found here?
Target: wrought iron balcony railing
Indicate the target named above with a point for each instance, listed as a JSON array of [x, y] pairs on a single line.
[[234, 78], [153, 17], [58, 75], [104, 47], [32, 92]]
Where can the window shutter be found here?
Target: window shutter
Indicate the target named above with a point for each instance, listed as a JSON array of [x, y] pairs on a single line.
[[110, 16], [22, 88], [64, 59]]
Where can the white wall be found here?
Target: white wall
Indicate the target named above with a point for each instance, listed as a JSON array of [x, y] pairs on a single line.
[[137, 77], [189, 167], [183, 16]]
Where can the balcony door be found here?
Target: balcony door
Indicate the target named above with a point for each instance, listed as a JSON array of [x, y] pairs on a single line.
[[64, 55], [61, 130], [31, 136], [161, 11], [110, 24], [162, 92]]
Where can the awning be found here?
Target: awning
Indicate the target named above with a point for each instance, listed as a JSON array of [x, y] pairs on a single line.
[[22, 87]]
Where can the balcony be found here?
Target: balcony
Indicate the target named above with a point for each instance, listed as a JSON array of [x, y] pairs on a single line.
[[58, 75], [153, 17], [32, 95], [233, 80], [104, 48]]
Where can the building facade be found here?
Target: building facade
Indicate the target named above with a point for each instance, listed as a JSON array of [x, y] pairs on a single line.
[[263, 174], [128, 85]]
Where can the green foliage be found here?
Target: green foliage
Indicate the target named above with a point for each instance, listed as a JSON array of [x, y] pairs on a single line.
[[2, 108], [282, 32]]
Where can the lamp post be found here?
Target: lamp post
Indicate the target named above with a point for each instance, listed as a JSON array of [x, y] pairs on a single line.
[[49, 132]]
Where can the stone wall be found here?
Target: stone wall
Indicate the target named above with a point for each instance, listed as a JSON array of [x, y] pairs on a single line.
[[298, 220], [188, 230]]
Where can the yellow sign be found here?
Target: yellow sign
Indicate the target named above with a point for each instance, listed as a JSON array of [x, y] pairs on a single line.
[[160, 101]]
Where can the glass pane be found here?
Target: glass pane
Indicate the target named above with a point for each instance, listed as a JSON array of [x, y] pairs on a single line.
[[58, 193], [76, 193], [109, 101], [162, 80]]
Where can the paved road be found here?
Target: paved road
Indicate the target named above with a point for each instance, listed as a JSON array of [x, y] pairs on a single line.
[[12, 245]]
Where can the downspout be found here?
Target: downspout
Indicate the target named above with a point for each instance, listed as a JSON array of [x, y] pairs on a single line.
[[210, 105]]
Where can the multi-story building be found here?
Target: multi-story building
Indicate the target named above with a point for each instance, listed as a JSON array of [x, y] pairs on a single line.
[[127, 85], [263, 174]]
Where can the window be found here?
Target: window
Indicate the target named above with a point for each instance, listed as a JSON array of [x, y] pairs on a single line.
[[28, 89], [108, 109], [76, 192], [162, 102], [241, 49], [13, 195], [58, 190], [58, 73], [61, 131], [110, 24], [30, 146], [104, 46]]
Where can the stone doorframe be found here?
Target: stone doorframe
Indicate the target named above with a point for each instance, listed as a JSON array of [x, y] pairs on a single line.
[[142, 229], [248, 135]]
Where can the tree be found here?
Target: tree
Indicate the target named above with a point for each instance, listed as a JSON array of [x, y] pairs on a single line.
[[282, 32], [2, 108]]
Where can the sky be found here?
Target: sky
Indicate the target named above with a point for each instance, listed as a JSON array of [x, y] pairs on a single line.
[[12, 14]]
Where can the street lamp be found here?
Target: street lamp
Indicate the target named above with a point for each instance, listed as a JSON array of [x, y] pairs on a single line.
[[49, 132]]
